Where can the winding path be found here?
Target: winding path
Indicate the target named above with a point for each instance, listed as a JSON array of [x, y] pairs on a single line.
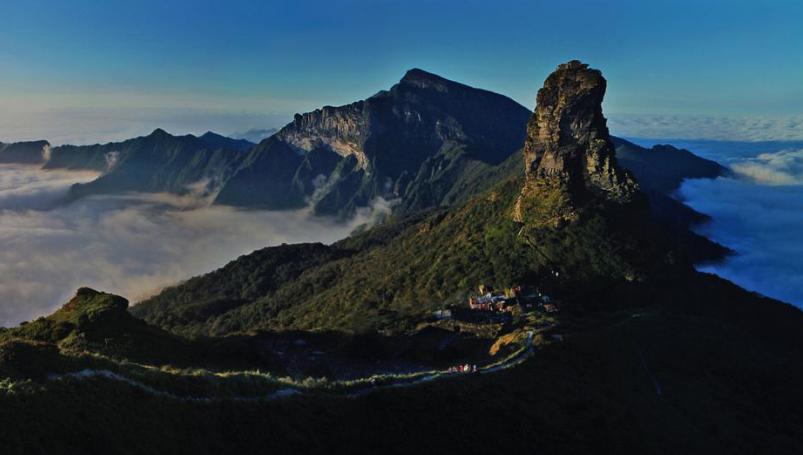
[[360, 389]]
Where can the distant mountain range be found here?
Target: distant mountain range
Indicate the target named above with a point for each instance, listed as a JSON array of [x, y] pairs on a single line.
[[606, 338], [409, 142], [425, 142], [304, 286], [255, 135], [158, 162], [34, 152]]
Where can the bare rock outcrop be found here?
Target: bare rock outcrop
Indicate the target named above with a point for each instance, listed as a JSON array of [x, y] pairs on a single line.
[[568, 153]]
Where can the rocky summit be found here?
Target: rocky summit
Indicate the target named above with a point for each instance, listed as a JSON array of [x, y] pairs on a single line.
[[595, 337], [409, 143], [569, 156]]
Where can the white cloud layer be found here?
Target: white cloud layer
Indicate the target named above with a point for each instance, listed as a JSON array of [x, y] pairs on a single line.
[[707, 127], [759, 214], [27, 187], [90, 125], [779, 168], [132, 245]]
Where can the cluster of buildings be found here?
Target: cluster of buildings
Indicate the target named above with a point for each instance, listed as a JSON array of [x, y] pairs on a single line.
[[498, 301], [465, 368], [500, 304], [491, 302]]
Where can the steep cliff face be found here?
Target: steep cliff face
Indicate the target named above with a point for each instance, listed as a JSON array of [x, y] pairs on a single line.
[[569, 157], [378, 147], [34, 152], [343, 130], [614, 243]]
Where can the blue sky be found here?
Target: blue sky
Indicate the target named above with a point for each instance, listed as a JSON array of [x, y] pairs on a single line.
[[109, 67]]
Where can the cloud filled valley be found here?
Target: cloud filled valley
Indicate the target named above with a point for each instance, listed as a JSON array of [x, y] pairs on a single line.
[[135, 244], [758, 213], [131, 244]]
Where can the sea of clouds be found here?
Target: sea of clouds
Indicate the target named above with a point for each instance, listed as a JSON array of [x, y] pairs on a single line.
[[757, 211], [132, 245], [136, 244], [709, 127], [762, 223], [96, 125]]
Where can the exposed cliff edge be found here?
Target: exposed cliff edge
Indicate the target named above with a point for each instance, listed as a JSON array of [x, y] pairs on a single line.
[[426, 142], [429, 259], [633, 349], [390, 145], [569, 157]]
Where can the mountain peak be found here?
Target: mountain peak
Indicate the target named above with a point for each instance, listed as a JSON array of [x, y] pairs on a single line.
[[423, 79], [211, 134], [576, 65], [418, 73], [219, 141], [568, 148], [159, 132], [87, 297]]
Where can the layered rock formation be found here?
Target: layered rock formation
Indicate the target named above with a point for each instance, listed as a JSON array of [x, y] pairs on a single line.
[[342, 130], [385, 278], [569, 157], [425, 142], [398, 139]]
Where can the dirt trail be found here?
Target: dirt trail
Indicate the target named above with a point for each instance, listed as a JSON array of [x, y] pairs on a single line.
[[356, 390]]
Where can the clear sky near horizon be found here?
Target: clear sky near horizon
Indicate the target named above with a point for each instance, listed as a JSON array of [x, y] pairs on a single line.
[[84, 70]]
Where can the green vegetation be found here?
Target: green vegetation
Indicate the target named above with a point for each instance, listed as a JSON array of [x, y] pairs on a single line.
[[392, 277], [720, 391], [313, 348], [387, 278], [94, 321], [655, 357], [96, 324], [426, 141], [243, 280], [452, 177]]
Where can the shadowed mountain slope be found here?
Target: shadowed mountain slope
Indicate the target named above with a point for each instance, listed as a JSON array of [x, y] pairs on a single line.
[[390, 145], [33, 152], [393, 276], [159, 162], [645, 355], [663, 168]]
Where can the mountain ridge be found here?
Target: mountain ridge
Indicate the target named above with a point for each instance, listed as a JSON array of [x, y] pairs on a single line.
[[629, 348], [158, 162], [336, 159], [569, 157], [477, 241], [375, 147], [28, 152]]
